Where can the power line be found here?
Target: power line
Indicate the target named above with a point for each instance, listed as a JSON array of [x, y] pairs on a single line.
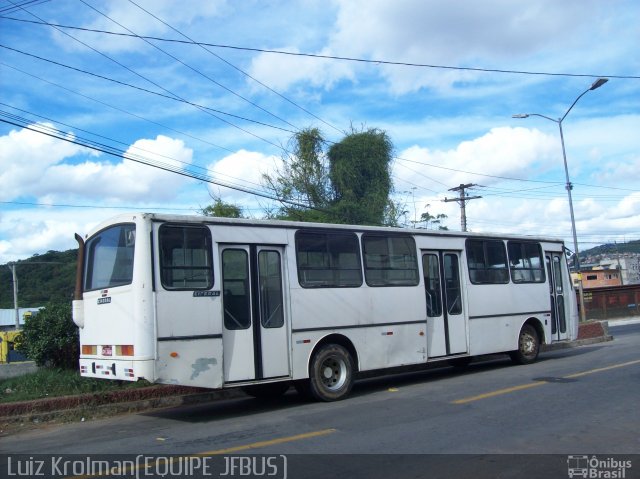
[[127, 155], [54, 133], [475, 173], [172, 95], [69, 90], [203, 108], [336, 57], [236, 68], [122, 143], [20, 6], [195, 70]]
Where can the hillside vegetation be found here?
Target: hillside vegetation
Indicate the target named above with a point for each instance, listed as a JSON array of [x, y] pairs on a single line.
[[613, 248], [41, 278]]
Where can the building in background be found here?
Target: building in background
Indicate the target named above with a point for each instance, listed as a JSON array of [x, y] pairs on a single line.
[[628, 265]]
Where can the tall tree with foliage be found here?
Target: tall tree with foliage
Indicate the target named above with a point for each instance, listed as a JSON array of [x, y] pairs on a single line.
[[360, 173], [349, 183], [302, 183]]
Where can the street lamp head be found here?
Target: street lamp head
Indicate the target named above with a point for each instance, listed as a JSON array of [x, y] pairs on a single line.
[[598, 83], [521, 115]]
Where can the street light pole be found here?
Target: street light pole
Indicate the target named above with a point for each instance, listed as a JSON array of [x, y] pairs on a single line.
[[596, 84]]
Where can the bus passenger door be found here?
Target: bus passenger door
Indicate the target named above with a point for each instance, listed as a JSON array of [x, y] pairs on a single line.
[[556, 292], [255, 330], [446, 320]]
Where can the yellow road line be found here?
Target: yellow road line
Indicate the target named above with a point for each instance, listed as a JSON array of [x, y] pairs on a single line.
[[244, 447], [499, 392], [270, 442], [598, 370]]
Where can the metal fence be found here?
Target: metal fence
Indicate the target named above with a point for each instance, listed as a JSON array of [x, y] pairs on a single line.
[[612, 302]]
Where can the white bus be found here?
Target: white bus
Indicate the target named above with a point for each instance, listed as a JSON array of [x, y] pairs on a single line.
[[220, 303]]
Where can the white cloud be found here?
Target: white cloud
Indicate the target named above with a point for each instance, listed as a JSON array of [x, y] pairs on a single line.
[[177, 14], [29, 231], [25, 155], [511, 152], [126, 180], [244, 169], [433, 32], [37, 165], [281, 71]]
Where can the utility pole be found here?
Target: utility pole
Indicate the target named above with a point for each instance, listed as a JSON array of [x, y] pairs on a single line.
[[14, 280], [462, 200]]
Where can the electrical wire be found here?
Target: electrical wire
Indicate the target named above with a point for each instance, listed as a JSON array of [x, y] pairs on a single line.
[[236, 68], [336, 57], [107, 149], [142, 150], [195, 70], [205, 110]]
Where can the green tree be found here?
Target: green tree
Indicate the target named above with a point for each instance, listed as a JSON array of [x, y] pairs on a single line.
[[348, 183], [360, 173], [431, 222], [302, 183], [50, 338], [222, 209]]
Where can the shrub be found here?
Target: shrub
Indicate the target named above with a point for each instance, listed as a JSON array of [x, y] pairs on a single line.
[[50, 337]]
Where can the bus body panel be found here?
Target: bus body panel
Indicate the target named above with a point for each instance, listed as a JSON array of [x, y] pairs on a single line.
[[193, 362], [384, 324], [118, 317]]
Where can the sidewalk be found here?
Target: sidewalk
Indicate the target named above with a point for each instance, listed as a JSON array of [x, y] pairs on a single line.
[[624, 321]]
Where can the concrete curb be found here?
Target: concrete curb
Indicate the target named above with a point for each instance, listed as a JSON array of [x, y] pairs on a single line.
[[93, 406], [575, 344]]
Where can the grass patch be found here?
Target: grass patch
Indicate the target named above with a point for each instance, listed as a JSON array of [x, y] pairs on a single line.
[[46, 383]]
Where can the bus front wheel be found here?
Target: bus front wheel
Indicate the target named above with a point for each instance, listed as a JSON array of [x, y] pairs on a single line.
[[528, 346], [330, 373]]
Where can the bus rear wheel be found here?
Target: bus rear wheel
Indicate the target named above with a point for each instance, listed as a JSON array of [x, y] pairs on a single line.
[[330, 373], [528, 346]]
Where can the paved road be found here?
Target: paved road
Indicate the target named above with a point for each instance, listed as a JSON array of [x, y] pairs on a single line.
[[575, 401]]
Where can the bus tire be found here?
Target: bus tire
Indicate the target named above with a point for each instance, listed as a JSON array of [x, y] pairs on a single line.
[[528, 346], [267, 391], [331, 373]]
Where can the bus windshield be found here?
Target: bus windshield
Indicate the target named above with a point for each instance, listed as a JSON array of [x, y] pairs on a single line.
[[109, 258]]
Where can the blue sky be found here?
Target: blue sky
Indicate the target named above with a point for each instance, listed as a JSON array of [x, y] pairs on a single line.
[[448, 125]]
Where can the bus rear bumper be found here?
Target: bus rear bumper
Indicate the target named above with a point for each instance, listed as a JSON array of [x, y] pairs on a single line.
[[123, 370]]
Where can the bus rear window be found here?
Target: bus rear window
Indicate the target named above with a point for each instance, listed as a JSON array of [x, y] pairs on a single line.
[[109, 258]]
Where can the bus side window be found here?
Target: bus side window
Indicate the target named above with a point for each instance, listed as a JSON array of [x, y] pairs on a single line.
[[525, 261], [328, 259], [185, 257], [487, 261]]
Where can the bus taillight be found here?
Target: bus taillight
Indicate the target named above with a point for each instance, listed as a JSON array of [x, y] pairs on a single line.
[[124, 350], [89, 349]]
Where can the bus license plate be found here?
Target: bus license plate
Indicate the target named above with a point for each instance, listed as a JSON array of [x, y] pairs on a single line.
[[107, 351]]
